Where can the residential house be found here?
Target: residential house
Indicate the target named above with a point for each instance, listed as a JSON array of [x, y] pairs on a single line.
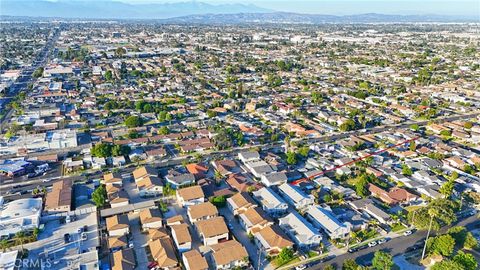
[[254, 219], [228, 255], [147, 181], [190, 196], [273, 178], [226, 166], [151, 219], [300, 231], [117, 225], [249, 156], [117, 242], [198, 171], [163, 253], [123, 260], [181, 236], [271, 240], [193, 260], [212, 231], [201, 211], [240, 202], [177, 180], [324, 219], [271, 202], [59, 199], [295, 196]]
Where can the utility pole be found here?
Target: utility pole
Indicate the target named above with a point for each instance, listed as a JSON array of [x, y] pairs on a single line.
[[428, 234]]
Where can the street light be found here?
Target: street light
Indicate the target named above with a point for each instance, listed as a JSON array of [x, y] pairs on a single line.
[[431, 212]]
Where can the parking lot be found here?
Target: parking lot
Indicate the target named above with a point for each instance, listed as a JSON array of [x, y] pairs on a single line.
[[55, 246]]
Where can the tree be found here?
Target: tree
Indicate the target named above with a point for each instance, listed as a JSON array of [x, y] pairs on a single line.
[[211, 113], [442, 245], [284, 256], [406, 170], [38, 72], [20, 238], [102, 150], [413, 146], [99, 196], [349, 264], [470, 241], [134, 121], [458, 233], [447, 188], [347, 125], [120, 51], [108, 75], [218, 201], [382, 260], [164, 130], [303, 151], [447, 265], [445, 214], [468, 125], [4, 245], [415, 127], [466, 260], [329, 267], [361, 186], [291, 158]]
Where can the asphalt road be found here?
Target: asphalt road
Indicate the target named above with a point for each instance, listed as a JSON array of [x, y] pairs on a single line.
[[395, 247]]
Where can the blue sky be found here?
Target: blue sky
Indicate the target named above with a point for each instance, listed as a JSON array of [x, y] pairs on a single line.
[[345, 7]]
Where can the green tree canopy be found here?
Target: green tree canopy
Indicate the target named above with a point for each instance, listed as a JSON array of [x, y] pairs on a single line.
[[467, 260], [134, 121], [382, 260], [99, 196]]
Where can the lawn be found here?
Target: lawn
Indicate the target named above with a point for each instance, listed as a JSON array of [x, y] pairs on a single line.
[[398, 227], [278, 264], [413, 207]]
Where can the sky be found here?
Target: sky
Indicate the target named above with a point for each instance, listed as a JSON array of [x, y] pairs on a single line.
[[346, 7]]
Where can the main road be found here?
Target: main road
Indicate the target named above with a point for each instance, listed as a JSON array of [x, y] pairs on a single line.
[[395, 247]]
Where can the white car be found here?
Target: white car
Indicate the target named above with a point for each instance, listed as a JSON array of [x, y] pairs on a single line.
[[372, 244], [83, 236], [407, 233], [301, 267], [382, 241]]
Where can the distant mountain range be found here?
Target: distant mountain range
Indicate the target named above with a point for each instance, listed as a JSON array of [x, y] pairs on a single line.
[[107, 9], [296, 18], [195, 12]]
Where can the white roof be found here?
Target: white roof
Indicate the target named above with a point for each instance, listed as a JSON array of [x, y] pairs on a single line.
[[8, 259], [326, 219], [268, 198], [299, 228], [20, 208], [294, 193]]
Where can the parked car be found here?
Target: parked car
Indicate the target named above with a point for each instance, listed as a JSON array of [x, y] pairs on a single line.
[[382, 241], [83, 236], [406, 233], [66, 238], [372, 244]]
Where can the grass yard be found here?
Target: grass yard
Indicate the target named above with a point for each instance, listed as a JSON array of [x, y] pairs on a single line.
[[398, 227]]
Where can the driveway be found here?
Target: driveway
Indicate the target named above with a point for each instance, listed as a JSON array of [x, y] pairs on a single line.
[[140, 241]]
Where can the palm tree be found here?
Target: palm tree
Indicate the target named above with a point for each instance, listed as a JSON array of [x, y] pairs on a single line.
[[4, 245], [431, 212], [20, 238]]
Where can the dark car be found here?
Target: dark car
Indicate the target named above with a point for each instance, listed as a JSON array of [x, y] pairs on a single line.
[[66, 238]]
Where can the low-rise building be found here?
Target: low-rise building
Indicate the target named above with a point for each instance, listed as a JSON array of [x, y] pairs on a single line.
[[163, 253], [296, 196], [202, 211], [240, 202], [271, 202], [19, 215], [272, 240], [151, 219], [118, 225], [228, 255], [123, 260], [324, 219], [190, 196], [300, 231], [193, 260], [181, 236], [59, 199], [212, 231], [254, 219]]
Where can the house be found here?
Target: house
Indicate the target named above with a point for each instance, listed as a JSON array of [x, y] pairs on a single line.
[[177, 180], [19, 215], [118, 225], [240, 202], [324, 219], [59, 199], [254, 219], [271, 202], [241, 183], [118, 198], [273, 178], [181, 236], [147, 181], [190, 196], [159, 233], [249, 156], [198, 171], [367, 206], [300, 231], [201, 211], [193, 260], [228, 255], [163, 253], [212, 231], [271, 240], [295, 196], [151, 219], [112, 179], [178, 219], [123, 260], [226, 166], [117, 242]]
